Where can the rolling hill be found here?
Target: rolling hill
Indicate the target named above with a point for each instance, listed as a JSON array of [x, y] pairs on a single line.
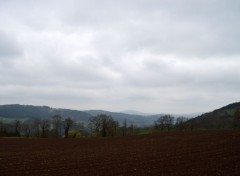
[[223, 118], [131, 118], [17, 111], [23, 112]]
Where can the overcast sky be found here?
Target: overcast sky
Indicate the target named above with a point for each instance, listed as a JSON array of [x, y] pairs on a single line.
[[158, 56]]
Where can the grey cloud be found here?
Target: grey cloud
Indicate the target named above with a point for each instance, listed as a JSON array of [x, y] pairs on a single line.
[[8, 46], [194, 76], [195, 28], [159, 56]]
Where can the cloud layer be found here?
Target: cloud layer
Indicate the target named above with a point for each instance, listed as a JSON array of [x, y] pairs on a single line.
[[148, 55]]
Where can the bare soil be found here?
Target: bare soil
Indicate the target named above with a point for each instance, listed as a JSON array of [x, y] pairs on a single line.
[[175, 153]]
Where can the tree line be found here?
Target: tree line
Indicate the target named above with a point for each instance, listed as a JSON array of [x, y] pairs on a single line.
[[99, 125], [56, 126], [168, 123], [59, 127]]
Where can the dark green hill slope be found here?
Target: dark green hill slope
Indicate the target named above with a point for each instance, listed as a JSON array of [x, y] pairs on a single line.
[[225, 117]]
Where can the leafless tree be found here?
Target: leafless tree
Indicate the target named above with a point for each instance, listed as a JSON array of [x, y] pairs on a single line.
[[131, 130], [169, 120], [180, 123], [36, 127], [2, 128], [112, 127], [124, 128], [27, 127], [44, 125], [17, 126], [161, 122], [104, 125], [57, 125], [164, 122], [95, 124], [67, 124]]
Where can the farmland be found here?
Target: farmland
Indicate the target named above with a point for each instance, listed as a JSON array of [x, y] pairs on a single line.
[[173, 153]]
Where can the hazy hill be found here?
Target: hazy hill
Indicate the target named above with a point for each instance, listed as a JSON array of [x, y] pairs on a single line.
[[225, 117], [131, 118], [133, 112], [17, 111]]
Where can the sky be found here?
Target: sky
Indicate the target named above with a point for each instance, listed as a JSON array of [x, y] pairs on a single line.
[[154, 56]]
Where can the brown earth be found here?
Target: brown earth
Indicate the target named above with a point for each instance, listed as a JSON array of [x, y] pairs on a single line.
[[175, 153]]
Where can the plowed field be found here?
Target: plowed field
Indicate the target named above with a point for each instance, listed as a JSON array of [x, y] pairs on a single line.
[[175, 153]]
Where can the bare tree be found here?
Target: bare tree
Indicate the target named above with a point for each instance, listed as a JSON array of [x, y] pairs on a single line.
[[112, 126], [2, 128], [36, 127], [104, 125], [67, 124], [44, 125], [17, 125], [169, 120], [27, 127], [124, 128], [161, 122], [131, 130], [95, 124], [57, 125], [180, 123], [164, 122]]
